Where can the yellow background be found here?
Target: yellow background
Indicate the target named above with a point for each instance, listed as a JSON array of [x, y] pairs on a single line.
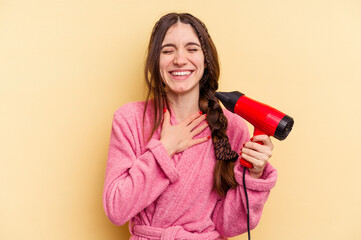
[[67, 65]]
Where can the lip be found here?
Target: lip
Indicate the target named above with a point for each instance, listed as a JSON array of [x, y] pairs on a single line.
[[181, 70], [180, 77]]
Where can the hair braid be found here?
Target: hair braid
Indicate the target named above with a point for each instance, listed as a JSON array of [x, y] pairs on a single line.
[[223, 176]]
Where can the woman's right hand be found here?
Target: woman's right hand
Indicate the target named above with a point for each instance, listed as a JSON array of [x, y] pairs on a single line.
[[179, 137]]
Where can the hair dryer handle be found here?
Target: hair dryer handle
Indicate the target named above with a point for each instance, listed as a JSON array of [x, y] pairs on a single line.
[[244, 162]]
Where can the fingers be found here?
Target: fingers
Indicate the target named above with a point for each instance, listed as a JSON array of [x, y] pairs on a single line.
[[194, 119], [196, 122], [178, 137], [196, 141], [266, 140], [166, 118], [199, 129], [256, 153], [261, 153], [255, 161], [257, 149]]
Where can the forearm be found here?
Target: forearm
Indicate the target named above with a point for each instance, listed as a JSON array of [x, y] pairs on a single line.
[[230, 216], [133, 183]]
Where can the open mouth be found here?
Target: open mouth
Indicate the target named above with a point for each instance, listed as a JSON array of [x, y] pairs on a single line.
[[181, 73]]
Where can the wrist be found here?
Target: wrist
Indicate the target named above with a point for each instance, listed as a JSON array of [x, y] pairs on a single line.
[[168, 148], [255, 174]]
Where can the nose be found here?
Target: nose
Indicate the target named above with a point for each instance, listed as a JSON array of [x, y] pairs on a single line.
[[180, 58]]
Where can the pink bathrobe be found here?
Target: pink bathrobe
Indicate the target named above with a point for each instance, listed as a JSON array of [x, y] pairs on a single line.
[[172, 198]]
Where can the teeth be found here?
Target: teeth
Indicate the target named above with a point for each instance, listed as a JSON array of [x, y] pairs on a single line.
[[181, 73]]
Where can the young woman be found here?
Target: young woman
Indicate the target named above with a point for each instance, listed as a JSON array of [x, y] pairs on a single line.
[[171, 170]]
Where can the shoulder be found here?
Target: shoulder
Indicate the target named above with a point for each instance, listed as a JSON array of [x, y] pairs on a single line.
[[135, 110], [129, 114], [130, 109], [234, 120], [237, 129]]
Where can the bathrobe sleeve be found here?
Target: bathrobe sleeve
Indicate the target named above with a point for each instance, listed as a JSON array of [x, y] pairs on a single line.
[[133, 179], [230, 215]]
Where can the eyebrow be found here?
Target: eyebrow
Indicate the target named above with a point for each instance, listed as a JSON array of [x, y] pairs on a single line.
[[173, 45]]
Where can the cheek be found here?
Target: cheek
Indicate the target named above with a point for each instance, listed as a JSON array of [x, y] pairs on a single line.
[[201, 66], [164, 62], [162, 67], [201, 62], [163, 77]]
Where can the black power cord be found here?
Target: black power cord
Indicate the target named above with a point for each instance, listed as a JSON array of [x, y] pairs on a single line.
[[245, 192]]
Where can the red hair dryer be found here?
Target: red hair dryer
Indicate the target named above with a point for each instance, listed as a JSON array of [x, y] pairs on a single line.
[[265, 119]]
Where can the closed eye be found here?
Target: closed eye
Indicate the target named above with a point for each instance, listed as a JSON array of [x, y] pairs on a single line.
[[167, 51]]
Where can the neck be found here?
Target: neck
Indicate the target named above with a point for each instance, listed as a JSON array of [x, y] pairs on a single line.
[[184, 105]]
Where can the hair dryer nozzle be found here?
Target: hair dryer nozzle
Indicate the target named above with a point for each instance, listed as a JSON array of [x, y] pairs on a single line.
[[284, 128]]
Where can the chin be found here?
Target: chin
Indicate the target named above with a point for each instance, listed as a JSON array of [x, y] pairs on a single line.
[[182, 91]]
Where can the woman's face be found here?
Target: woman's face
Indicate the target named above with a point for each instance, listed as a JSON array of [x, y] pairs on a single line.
[[181, 60]]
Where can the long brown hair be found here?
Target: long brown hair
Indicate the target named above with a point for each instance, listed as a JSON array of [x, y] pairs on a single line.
[[223, 176]]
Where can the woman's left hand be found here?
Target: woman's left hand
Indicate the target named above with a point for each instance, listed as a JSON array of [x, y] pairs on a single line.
[[257, 154]]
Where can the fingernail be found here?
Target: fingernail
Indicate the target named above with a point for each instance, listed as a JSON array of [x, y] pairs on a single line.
[[251, 139], [164, 110], [208, 137], [205, 115], [200, 112]]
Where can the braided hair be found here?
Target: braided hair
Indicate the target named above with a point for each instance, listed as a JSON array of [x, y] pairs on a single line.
[[223, 176]]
